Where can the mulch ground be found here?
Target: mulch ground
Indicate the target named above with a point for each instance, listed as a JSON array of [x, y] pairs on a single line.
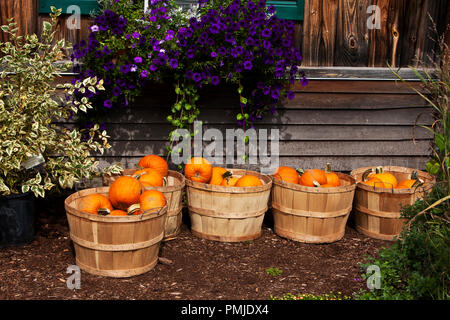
[[193, 268]]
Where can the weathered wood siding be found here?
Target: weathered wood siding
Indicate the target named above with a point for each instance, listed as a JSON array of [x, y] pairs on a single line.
[[333, 33], [350, 123]]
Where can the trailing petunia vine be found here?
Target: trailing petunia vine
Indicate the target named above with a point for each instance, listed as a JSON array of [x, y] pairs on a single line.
[[239, 42]]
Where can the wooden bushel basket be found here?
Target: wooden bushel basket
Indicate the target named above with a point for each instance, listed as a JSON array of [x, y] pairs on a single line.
[[116, 246], [312, 215], [377, 210], [228, 214], [173, 192]]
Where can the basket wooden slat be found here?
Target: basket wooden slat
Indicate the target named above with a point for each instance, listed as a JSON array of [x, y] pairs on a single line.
[[116, 246], [173, 191], [377, 210], [312, 215], [228, 214]]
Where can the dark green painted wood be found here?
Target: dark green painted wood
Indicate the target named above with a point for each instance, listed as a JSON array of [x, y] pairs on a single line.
[[86, 6]]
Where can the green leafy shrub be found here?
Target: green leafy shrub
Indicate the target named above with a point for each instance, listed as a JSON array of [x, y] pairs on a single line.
[[31, 108], [417, 265]]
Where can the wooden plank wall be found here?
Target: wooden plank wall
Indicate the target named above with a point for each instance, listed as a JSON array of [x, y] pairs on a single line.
[[350, 123], [333, 33]]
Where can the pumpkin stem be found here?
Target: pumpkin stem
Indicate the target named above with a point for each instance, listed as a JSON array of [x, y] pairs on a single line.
[[366, 174], [328, 168], [414, 175], [136, 176], [227, 175], [419, 182], [316, 184], [379, 170], [103, 211], [133, 209], [300, 171]]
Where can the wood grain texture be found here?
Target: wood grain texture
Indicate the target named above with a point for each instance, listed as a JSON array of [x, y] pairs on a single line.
[[228, 214], [377, 210], [403, 39], [114, 246], [314, 215], [352, 40], [24, 13], [173, 191]]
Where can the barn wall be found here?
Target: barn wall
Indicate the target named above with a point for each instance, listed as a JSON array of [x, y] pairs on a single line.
[[349, 122], [333, 33]]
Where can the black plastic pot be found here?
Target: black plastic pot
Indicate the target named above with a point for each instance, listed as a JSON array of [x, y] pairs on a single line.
[[17, 214]]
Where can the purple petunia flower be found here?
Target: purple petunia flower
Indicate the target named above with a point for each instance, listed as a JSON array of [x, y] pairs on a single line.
[[275, 94], [173, 63], [248, 65], [144, 74], [215, 80], [120, 83], [116, 91], [125, 68], [107, 103], [98, 54], [197, 77], [213, 54], [304, 81], [153, 67], [94, 28], [266, 33], [138, 60], [291, 95], [109, 66], [136, 35], [106, 50]]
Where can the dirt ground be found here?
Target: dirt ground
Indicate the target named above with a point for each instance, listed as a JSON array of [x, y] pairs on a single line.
[[193, 268]]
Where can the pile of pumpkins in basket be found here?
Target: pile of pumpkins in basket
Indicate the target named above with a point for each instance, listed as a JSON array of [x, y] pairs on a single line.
[[117, 229]]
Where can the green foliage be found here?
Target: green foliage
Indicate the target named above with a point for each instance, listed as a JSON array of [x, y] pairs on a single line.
[[436, 93], [308, 296], [29, 107], [275, 272], [417, 265]]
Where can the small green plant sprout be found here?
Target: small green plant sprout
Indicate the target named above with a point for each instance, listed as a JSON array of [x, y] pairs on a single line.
[[308, 296], [275, 272]]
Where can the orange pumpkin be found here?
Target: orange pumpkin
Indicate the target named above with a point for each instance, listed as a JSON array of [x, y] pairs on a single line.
[[229, 182], [198, 169], [155, 162], [332, 177], [388, 179], [374, 182], [248, 181], [140, 172], [410, 183], [313, 177], [118, 213], [151, 200], [96, 204], [218, 174], [124, 192], [327, 185], [287, 174], [150, 178]]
